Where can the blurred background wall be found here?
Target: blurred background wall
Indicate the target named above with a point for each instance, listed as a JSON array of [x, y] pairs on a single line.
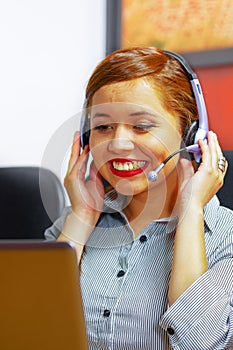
[[217, 85], [48, 50]]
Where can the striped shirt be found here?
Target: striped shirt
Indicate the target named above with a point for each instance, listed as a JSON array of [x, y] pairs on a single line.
[[124, 284]]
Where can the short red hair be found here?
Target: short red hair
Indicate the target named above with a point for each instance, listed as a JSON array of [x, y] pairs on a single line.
[[158, 68]]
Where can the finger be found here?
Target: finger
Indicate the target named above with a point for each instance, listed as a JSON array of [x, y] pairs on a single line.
[[93, 171], [217, 156], [95, 176], [210, 158], [211, 154], [187, 167], [206, 160], [214, 148], [80, 166], [75, 151], [217, 145], [220, 155], [186, 171]]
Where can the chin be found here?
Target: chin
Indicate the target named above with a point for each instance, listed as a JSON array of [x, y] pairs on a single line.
[[129, 188]]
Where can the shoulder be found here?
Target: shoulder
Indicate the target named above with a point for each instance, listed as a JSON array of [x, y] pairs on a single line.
[[218, 217], [218, 230], [53, 232]]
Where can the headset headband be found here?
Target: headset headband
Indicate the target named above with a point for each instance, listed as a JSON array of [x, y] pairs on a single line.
[[196, 86]]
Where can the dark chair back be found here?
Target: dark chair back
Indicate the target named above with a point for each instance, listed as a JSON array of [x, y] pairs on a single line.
[[225, 194], [31, 199]]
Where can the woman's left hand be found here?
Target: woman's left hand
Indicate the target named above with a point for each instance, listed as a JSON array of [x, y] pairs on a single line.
[[200, 186]]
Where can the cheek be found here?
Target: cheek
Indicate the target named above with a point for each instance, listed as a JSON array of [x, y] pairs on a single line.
[[166, 142], [162, 147], [158, 148], [98, 152], [95, 145]]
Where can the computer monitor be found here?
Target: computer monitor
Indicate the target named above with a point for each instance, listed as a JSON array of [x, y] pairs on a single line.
[[40, 298]]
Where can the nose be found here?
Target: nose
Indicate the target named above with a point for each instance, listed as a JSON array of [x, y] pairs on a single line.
[[122, 141]]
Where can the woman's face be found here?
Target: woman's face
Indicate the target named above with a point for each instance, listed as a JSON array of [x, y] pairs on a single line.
[[131, 134]]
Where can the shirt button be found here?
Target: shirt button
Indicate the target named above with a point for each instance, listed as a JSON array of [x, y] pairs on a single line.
[[170, 331], [120, 273], [106, 313], [143, 239]]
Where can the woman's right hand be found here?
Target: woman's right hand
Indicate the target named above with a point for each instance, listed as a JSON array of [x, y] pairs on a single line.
[[86, 196]]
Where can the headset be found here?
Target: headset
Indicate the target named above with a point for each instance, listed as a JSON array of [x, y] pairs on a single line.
[[197, 131]]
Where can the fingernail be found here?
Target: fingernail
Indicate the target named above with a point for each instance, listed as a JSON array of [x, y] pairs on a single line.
[[76, 135], [213, 133]]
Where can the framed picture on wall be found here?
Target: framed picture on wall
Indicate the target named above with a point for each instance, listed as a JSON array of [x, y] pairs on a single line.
[[201, 30]]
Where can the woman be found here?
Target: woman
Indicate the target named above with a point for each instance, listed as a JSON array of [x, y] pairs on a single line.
[[155, 257]]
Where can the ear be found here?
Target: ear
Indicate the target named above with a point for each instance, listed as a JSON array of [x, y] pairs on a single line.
[[84, 127]]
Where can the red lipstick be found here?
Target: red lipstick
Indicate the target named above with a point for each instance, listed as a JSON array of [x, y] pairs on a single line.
[[138, 168]]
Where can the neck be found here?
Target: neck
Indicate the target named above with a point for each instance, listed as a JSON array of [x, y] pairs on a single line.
[[156, 203]]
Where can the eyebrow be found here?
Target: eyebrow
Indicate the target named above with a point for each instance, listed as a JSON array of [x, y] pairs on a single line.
[[96, 115], [133, 114]]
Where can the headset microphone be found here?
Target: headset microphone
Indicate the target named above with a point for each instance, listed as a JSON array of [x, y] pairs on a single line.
[[153, 175]]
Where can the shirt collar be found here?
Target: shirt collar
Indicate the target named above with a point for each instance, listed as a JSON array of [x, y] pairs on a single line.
[[114, 202], [117, 202]]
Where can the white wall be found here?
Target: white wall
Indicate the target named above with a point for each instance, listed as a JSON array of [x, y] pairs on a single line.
[[48, 50]]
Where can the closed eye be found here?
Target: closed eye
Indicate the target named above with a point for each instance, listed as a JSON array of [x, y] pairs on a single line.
[[102, 127], [138, 127], [144, 127]]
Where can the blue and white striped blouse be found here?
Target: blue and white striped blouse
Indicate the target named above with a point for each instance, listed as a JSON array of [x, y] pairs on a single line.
[[125, 283]]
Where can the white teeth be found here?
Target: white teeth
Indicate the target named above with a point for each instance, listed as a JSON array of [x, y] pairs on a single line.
[[128, 165]]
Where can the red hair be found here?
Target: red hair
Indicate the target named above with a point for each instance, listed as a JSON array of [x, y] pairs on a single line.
[[162, 71]]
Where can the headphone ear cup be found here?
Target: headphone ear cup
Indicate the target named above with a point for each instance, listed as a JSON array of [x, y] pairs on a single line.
[[189, 139], [85, 138], [84, 128], [190, 134]]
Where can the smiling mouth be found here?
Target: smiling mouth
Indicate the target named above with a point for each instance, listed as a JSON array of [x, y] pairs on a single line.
[[128, 166]]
